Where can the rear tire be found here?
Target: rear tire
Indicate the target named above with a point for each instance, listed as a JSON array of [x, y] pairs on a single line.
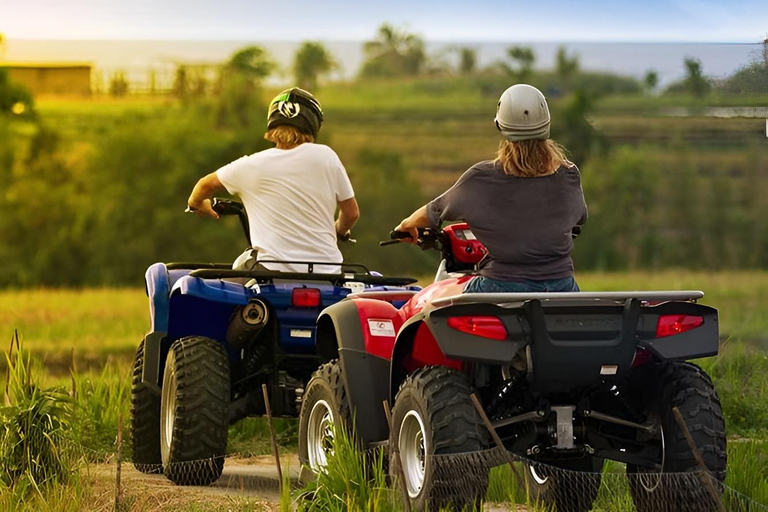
[[574, 489], [324, 408], [145, 420], [433, 415], [687, 387], [194, 411]]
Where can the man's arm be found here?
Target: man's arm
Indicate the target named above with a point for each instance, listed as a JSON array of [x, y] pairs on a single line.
[[200, 199], [348, 215]]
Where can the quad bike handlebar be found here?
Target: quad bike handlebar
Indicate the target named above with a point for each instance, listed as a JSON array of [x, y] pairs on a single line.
[[429, 236]]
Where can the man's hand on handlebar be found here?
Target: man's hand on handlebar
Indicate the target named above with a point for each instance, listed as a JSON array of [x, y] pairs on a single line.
[[204, 209], [346, 237]]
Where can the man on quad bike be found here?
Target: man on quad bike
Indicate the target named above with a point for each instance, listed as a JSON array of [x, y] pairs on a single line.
[[522, 206], [290, 192]]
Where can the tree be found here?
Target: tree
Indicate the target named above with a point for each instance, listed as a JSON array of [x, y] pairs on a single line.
[[252, 62], [240, 81], [566, 67], [523, 59], [695, 83], [467, 60], [312, 60], [651, 80], [14, 98], [2, 47], [752, 78], [393, 52]]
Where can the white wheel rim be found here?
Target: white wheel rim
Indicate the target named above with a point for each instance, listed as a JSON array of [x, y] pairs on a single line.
[[413, 452], [320, 435], [650, 481], [541, 480], [168, 409]]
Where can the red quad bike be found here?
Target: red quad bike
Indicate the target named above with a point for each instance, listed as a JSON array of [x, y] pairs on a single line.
[[568, 380]]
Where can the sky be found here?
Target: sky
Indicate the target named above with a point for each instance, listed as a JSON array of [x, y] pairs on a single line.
[[356, 20]]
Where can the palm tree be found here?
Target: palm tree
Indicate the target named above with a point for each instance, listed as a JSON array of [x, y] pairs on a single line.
[[393, 53], [566, 67], [524, 58], [467, 60], [252, 62], [694, 77], [312, 60]]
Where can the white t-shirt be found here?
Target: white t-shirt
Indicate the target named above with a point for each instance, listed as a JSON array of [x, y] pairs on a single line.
[[290, 196]]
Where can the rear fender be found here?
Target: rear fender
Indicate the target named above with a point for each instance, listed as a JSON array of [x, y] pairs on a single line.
[[159, 281], [415, 348], [703, 341], [343, 331]]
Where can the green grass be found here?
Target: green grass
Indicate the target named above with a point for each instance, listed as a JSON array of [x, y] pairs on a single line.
[[739, 297], [95, 322], [103, 321]]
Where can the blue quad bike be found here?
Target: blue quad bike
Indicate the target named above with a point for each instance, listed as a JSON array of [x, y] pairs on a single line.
[[216, 336]]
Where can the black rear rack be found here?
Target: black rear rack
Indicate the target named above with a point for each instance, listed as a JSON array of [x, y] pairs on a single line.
[[264, 276], [569, 297], [195, 265]]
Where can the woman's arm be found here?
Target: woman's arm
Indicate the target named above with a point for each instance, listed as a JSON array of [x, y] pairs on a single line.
[[411, 224]]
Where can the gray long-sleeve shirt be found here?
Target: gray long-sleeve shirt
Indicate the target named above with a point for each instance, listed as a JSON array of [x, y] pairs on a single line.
[[525, 223]]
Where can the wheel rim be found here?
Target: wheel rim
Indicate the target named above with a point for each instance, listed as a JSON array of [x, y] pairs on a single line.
[[650, 481], [320, 435], [541, 480], [413, 452], [168, 409]]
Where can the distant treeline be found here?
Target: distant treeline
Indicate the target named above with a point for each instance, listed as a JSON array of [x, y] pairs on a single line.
[[100, 204]]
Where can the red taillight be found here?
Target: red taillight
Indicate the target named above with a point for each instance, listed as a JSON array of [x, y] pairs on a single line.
[[305, 297], [669, 325], [484, 326], [642, 357]]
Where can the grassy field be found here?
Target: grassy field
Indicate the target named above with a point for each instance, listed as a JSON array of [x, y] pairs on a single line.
[[102, 326], [99, 322]]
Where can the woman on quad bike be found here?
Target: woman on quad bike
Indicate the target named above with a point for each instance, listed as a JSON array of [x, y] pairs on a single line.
[[290, 192], [522, 206]]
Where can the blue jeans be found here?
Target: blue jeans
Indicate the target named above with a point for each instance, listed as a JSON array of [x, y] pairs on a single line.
[[482, 284]]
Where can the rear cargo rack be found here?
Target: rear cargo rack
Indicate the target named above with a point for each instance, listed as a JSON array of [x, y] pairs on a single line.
[[569, 297], [269, 275]]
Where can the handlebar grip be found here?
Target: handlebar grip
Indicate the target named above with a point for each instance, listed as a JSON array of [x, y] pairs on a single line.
[[398, 235], [575, 231], [388, 242]]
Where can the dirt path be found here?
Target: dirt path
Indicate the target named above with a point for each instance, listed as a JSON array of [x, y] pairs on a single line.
[[245, 484], [250, 484]]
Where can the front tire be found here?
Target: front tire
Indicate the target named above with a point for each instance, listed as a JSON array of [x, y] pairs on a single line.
[[194, 411], [432, 416], [324, 409], [687, 387], [145, 420]]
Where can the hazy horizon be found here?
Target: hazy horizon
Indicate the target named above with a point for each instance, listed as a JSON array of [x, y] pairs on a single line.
[[137, 57]]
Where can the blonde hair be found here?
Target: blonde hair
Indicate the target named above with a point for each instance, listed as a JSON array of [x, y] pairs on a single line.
[[530, 158], [287, 137]]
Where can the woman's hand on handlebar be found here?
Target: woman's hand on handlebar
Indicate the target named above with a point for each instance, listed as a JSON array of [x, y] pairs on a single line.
[[411, 230], [203, 209], [412, 223]]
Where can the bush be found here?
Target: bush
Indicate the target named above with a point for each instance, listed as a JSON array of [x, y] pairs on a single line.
[[36, 448]]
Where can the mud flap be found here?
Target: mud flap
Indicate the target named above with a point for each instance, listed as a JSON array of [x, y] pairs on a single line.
[[150, 374]]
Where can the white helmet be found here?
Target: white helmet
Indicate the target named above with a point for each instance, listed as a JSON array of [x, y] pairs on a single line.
[[522, 114]]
